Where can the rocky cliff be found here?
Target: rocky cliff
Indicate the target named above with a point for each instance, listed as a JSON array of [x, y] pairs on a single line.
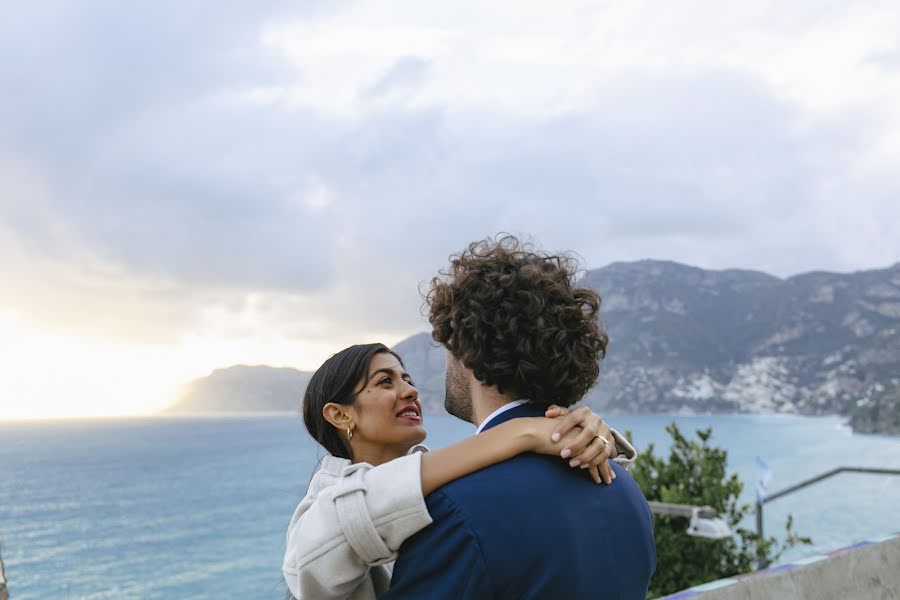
[[688, 339]]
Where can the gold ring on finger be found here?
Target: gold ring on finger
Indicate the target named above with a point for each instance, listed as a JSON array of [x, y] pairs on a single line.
[[604, 440]]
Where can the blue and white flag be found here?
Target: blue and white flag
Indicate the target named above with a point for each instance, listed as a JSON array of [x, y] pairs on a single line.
[[763, 477]]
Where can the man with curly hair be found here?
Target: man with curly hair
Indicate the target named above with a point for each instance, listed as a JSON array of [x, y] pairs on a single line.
[[520, 335]]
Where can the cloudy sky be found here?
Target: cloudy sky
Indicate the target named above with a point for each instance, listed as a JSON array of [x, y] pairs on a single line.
[[188, 185]]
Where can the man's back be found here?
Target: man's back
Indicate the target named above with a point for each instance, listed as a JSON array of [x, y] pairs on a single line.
[[531, 527]]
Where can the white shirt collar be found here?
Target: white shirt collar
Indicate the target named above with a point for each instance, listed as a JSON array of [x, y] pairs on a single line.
[[500, 410]]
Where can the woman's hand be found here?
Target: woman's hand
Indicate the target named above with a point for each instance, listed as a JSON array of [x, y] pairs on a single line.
[[575, 435], [593, 443], [592, 426]]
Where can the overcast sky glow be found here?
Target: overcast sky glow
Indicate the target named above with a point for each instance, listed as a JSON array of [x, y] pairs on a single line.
[[191, 185]]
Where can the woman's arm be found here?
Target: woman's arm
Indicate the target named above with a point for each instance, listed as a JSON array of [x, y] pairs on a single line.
[[509, 439], [526, 434]]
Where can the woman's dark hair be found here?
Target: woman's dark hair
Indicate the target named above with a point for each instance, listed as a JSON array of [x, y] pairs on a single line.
[[336, 381], [515, 316]]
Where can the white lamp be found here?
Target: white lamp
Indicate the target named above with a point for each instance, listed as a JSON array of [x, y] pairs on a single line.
[[705, 527]]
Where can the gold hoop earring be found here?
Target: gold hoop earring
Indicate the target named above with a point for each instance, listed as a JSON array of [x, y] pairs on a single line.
[[349, 434]]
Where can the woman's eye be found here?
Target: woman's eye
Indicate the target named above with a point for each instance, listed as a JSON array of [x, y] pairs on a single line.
[[385, 380]]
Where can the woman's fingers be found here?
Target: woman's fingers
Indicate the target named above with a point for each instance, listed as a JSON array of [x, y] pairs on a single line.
[[604, 470], [582, 417], [593, 454], [607, 473], [602, 473], [592, 444], [586, 436], [595, 458], [568, 419], [556, 411]]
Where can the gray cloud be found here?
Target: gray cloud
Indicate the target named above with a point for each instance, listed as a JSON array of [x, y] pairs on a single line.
[[156, 157], [406, 74], [126, 111]]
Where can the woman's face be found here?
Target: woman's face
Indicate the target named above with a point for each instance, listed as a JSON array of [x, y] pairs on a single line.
[[387, 407]]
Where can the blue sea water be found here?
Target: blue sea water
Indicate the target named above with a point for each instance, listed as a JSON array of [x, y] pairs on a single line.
[[197, 507]]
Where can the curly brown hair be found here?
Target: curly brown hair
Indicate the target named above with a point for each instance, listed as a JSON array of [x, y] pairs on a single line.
[[514, 315]]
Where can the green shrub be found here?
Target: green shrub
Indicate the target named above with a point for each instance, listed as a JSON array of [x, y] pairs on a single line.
[[695, 474]]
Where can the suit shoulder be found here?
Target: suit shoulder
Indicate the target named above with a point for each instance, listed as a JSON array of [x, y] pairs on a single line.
[[535, 476], [507, 478]]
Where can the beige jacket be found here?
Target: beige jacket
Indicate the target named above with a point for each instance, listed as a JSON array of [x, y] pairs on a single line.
[[345, 534]]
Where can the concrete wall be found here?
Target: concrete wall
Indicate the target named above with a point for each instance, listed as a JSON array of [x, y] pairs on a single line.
[[866, 571]]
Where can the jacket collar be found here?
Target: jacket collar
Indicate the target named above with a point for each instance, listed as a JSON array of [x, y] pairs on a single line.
[[529, 409]]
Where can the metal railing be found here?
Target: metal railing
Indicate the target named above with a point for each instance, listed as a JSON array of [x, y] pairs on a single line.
[[760, 555], [681, 510]]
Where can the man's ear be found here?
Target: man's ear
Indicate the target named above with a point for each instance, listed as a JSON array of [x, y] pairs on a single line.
[[339, 415]]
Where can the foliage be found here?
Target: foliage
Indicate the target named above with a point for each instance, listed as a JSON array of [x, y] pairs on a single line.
[[878, 412], [695, 474]]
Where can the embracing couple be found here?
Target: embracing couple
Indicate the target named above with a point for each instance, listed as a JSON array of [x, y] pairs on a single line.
[[537, 504]]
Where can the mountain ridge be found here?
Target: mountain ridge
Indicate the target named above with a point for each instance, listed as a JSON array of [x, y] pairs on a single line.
[[687, 339]]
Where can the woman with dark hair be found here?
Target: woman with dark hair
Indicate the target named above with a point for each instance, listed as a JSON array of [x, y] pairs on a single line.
[[368, 495]]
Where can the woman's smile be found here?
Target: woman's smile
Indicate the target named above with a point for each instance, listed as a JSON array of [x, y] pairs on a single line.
[[410, 413]]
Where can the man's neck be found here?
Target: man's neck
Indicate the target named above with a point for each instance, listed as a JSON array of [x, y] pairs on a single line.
[[485, 400]]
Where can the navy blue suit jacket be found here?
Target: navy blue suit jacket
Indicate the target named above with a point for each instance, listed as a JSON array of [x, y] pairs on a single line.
[[530, 527]]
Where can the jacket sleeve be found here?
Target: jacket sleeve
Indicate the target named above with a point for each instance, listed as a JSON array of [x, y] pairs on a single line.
[[443, 561], [627, 453], [353, 517]]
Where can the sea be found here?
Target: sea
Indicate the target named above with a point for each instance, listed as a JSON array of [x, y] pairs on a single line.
[[197, 507]]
